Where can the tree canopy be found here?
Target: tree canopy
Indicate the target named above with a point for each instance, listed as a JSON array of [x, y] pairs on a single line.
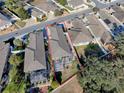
[[103, 75], [120, 45], [18, 42], [17, 7], [15, 60]]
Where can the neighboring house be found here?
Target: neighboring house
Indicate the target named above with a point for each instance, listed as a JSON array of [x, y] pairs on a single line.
[[106, 38], [75, 4], [95, 26], [4, 22], [35, 13], [45, 5], [107, 1], [79, 34], [118, 13], [35, 63], [4, 55], [60, 51]]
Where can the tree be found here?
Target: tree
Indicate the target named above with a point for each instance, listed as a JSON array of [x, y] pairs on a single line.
[[58, 12], [22, 13], [15, 88], [12, 73], [18, 42], [15, 60], [10, 4], [93, 50], [120, 45], [16, 6], [103, 76]]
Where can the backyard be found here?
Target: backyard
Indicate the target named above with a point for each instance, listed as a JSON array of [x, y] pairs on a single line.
[[80, 49], [69, 71], [71, 86]]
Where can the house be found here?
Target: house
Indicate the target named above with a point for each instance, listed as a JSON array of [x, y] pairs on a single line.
[[75, 4], [95, 26], [60, 51], [118, 13], [45, 5], [4, 22], [4, 55], [79, 34], [106, 38], [35, 63], [35, 13], [107, 1]]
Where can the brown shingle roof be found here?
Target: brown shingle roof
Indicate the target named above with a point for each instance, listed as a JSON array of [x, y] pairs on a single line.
[[35, 53], [58, 43], [4, 51], [79, 33]]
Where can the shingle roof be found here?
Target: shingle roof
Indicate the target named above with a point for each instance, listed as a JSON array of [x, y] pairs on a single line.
[[35, 53], [119, 13], [106, 37], [79, 33], [58, 43], [97, 28], [75, 3], [46, 5], [3, 20], [4, 51]]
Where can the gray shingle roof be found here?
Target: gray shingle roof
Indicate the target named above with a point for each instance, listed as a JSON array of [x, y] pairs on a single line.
[[106, 37], [3, 20], [97, 28], [46, 5], [58, 43], [75, 3], [4, 51], [79, 33], [35, 53], [119, 13]]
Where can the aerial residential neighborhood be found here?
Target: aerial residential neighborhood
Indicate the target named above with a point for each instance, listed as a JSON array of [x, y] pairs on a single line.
[[61, 46]]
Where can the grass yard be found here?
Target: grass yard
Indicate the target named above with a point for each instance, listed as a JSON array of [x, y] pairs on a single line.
[[71, 87], [62, 2], [80, 49], [68, 72], [20, 23]]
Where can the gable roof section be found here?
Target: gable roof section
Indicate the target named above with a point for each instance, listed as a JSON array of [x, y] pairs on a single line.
[[75, 3], [35, 53], [119, 13], [79, 33], [4, 50], [58, 43], [95, 25]]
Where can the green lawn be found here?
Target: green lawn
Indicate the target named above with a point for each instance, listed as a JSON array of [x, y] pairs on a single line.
[[71, 70], [62, 2], [20, 23], [80, 49]]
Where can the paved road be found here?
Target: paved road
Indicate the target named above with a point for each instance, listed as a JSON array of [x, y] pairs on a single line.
[[103, 5], [58, 19], [38, 26]]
